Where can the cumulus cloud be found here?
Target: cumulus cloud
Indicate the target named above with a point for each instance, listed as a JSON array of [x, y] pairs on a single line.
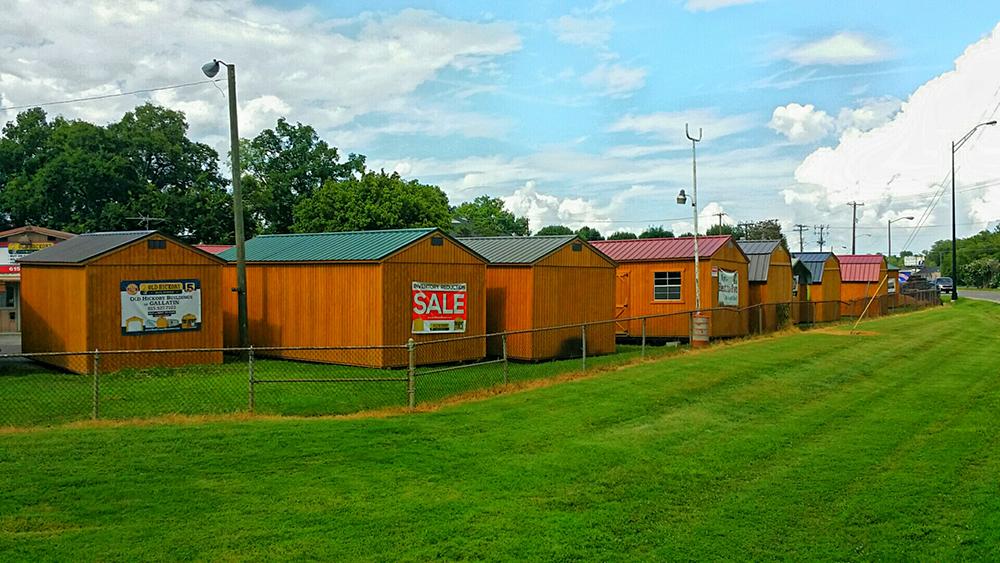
[[292, 62], [801, 123], [844, 48], [710, 5], [894, 166], [583, 32], [615, 80], [870, 114]]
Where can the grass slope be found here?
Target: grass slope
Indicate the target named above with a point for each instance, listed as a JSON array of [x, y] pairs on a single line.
[[813, 446]]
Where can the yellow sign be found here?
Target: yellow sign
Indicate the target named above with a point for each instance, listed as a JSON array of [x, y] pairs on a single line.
[[28, 246]]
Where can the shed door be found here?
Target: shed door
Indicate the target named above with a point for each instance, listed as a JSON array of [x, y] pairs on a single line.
[[621, 302]]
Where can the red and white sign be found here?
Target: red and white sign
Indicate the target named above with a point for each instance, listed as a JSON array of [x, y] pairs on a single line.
[[439, 307]]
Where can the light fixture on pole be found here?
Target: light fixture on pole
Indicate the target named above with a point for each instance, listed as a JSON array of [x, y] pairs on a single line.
[[211, 69], [955, 145], [891, 221], [681, 200]]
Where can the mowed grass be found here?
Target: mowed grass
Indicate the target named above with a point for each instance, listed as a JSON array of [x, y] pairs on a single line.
[[36, 395], [819, 445]]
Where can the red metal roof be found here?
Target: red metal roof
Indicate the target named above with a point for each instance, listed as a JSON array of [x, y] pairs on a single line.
[[861, 267], [213, 248], [652, 249]]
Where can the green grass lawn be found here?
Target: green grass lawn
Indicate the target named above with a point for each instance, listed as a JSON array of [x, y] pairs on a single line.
[[35, 395], [818, 445]]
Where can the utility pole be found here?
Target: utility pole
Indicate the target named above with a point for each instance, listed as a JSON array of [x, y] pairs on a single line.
[[820, 230], [854, 224], [720, 215], [801, 229]]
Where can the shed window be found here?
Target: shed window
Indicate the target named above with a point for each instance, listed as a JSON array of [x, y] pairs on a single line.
[[666, 286], [577, 247], [437, 241], [156, 244]]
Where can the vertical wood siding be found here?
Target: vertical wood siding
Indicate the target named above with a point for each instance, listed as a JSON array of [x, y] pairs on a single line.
[[854, 296], [53, 313], [640, 295], [509, 302], [777, 289]]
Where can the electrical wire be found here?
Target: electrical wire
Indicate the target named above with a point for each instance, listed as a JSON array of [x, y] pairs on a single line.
[[117, 95]]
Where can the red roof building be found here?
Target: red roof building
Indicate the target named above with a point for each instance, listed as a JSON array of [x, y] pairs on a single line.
[[863, 279], [656, 277], [213, 248]]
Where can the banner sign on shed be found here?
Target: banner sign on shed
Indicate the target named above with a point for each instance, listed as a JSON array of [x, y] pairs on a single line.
[[439, 307], [160, 306], [729, 289]]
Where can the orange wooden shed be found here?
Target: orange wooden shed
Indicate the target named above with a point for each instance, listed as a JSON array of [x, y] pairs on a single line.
[[863, 276], [817, 287], [656, 277], [134, 290], [770, 273], [359, 289], [547, 281]]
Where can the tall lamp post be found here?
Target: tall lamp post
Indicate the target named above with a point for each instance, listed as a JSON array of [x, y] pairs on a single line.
[[210, 70], [955, 145], [681, 200], [891, 221]]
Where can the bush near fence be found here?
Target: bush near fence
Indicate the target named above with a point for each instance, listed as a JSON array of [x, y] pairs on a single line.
[[332, 380]]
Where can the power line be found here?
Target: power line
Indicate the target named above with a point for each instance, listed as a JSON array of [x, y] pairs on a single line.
[[801, 229], [106, 96], [854, 223]]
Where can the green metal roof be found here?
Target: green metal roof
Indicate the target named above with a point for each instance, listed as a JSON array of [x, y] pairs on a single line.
[[328, 247]]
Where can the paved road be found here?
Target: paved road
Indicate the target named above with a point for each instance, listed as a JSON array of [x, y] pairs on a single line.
[[984, 295]]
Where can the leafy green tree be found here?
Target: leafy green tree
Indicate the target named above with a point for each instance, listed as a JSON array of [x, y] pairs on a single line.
[[589, 233], [656, 231], [981, 245], [768, 229], [375, 201], [622, 235], [284, 166], [554, 230], [723, 230], [487, 216], [982, 272]]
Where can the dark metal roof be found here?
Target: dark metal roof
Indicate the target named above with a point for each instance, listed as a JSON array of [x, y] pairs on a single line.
[[814, 262], [652, 249], [517, 250], [82, 248], [331, 247], [759, 252]]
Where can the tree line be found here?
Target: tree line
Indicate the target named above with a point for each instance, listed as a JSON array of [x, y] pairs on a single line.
[[978, 258], [143, 170]]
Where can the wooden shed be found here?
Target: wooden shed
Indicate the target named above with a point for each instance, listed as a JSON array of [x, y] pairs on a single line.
[[656, 277], [863, 276], [770, 276], [817, 287], [365, 288], [134, 290], [547, 281], [15, 244]]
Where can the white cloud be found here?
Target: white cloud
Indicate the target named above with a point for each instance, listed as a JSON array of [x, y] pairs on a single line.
[[894, 165], [670, 126], [710, 5], [615, 80], [583, 32], [290, 62], [801, 123], [871, 114], [844, 48]]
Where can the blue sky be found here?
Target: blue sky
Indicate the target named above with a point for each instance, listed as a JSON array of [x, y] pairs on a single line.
[[574, 112]]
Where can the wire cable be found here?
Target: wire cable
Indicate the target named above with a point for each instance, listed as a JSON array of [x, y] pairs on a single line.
[[116, 95]]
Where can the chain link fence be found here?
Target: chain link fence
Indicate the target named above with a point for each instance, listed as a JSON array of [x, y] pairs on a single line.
[[57, 388]]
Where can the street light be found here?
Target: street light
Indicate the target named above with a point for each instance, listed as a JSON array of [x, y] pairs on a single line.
[[891, 221], [955, 145], [211, 69], [681, 200]]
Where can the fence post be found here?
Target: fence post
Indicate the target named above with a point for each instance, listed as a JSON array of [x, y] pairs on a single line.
[[96, 398], [251, 398], [583, 345], [411, 380], [643, 337], [506, 369], [760, 319], [691, 328]]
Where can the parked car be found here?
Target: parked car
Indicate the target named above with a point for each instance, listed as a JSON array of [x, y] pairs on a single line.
[[944, 285]]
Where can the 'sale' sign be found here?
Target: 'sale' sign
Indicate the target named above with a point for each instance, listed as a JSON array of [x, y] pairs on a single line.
[[439, 307]]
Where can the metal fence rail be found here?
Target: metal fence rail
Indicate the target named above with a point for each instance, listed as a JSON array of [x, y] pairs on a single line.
[[41, 388]]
